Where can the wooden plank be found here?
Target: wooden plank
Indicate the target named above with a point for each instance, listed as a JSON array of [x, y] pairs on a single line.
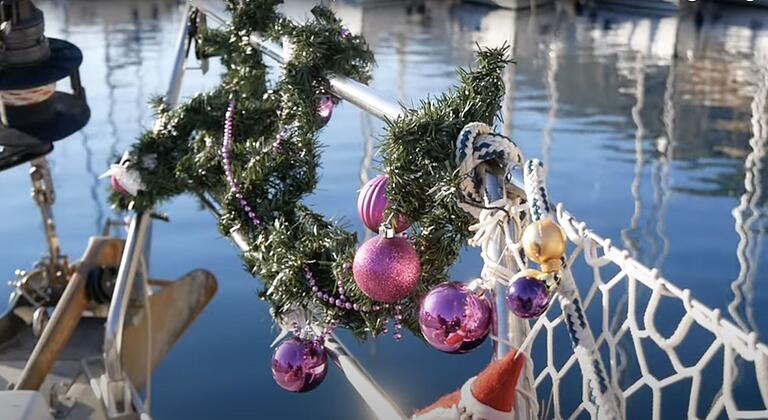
[[173, 309]]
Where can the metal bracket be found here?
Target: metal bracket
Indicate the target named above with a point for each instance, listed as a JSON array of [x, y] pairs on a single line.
[[44, 195]]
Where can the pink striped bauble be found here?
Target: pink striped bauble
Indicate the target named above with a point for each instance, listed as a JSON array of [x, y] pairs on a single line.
[[372, 202]]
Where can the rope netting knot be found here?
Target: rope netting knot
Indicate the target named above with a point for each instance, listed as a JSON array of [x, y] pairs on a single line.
[[628, 329]]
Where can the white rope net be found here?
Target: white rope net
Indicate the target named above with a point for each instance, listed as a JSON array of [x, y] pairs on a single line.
[[660, 346], [637, 345]]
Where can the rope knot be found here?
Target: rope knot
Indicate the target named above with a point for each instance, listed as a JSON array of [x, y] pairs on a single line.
[[477, 144]]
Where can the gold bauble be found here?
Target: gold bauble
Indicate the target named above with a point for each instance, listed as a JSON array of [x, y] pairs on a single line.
[[544, 243], [529, 272]]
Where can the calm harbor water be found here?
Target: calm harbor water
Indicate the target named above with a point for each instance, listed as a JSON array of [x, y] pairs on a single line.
[[653, 128]]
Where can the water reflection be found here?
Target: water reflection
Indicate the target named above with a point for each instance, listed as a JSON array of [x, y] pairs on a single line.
[[653, 129], [751, 209]]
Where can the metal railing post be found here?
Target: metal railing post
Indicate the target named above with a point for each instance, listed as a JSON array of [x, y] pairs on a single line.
[[114, 380], [116, 392]]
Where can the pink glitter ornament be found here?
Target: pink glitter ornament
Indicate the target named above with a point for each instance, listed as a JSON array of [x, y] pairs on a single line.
[[372, 202], [386, 270]]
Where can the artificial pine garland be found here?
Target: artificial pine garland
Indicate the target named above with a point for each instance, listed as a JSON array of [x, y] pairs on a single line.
[[275, 156]]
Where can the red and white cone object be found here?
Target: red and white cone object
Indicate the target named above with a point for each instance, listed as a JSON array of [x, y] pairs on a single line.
[[124, 180], [488, 396]]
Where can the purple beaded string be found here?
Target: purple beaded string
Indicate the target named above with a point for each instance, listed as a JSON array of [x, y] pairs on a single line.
[[398, 323], [328, 330], [234, 186], [342, 301], [278, 144]]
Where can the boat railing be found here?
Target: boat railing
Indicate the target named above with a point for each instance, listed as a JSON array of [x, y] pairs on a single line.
[[511, 331]]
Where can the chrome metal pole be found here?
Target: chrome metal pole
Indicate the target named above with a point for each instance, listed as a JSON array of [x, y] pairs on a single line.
[[118, 307], [182, 44], [348, 89], [137, 236], [378, 401], [115, 392], [136, 252]]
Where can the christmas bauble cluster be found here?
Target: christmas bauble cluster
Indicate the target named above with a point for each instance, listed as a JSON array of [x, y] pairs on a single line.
[[455, 319], [386, 267], [528, 295]]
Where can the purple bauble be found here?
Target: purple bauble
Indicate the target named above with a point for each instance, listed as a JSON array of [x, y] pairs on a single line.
[[453, 319], [299, 365], [372, 202], [325, 109], [386, 270], [527, 296], [116, 185]]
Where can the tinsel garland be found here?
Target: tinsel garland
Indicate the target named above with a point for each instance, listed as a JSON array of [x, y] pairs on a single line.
[[181, 155]]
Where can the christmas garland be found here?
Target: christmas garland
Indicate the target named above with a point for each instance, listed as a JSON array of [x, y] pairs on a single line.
[[264, 160]]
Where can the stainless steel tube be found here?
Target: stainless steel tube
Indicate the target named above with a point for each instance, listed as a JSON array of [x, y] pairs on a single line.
[[350, 90], [180, 60], [378, 401], [140, 226], [126, 277]]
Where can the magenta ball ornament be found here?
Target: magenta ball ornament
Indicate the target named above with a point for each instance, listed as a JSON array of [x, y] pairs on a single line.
[[299, 365], [453, 319], [527, 295], [386, 269], [372, 202], [325, 109]]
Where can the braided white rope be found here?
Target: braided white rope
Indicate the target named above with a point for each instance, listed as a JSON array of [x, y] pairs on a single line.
[[494, 222], [476, 144], [567, 293]]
